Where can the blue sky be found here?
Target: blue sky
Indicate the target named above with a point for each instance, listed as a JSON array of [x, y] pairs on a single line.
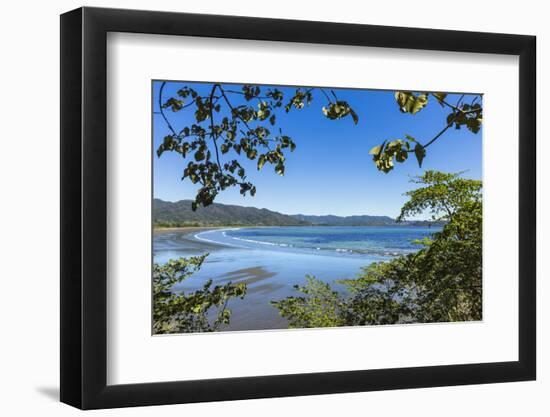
[[331, 171]]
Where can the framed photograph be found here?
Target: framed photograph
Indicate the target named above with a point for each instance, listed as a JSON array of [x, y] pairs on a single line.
[[257, 208]]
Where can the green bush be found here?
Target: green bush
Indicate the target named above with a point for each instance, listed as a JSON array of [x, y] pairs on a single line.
[[442, 282], [204, 310]]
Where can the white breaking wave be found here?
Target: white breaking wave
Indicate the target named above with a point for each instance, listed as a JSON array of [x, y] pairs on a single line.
[[199, 237], [256, 241]]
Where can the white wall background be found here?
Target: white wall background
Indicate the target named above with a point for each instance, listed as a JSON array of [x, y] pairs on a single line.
[[29, 175]]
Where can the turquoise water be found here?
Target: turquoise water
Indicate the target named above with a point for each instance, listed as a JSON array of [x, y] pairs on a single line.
[[271, 260], [374, 241]]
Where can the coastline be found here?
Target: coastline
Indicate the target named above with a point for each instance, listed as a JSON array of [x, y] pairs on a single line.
[[215, 237], [186, 237], [198, 229], [186, 229]]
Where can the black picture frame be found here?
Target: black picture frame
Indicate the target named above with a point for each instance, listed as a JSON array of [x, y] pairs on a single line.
[[84, 207]]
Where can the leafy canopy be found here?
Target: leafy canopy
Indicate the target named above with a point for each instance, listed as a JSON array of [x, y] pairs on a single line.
[[462, 114], [231, 124], [204, 310]]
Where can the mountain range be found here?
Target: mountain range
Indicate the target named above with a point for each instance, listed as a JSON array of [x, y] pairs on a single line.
[[179, 213], [331, 220]]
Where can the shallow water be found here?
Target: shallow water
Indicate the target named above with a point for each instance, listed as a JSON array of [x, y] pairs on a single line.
[[271, 260]]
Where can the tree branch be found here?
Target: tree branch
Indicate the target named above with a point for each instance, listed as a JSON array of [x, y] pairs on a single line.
[[326, 95], [212, 133], [242, 94], [162, 110], [440, 133], [450, 123], [233, 111], [458, 109]]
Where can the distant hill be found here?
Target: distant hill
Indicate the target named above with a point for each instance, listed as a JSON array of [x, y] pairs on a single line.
[[361, 220], [179, 213], [330, 220]]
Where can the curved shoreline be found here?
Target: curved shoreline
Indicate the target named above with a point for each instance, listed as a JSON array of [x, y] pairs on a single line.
[[252, 244], [213, 242]]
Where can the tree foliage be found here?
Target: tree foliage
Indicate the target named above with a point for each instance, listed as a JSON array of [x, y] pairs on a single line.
[[442, 282], [235, 124], [441, 195], [321, 306], [461, 114], [204, 310]]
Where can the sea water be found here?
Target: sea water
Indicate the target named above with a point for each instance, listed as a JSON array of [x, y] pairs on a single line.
[[272, 260]]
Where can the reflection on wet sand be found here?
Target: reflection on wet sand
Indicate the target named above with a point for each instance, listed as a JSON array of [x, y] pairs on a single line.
[[248, 275]]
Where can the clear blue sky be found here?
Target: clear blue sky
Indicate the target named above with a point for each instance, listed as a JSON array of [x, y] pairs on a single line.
[[331, 171]]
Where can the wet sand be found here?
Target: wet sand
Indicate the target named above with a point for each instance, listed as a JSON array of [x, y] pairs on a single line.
[[186, 238]]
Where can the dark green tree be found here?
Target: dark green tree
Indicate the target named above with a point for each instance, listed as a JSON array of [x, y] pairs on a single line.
[[442, 282], [204, 310]]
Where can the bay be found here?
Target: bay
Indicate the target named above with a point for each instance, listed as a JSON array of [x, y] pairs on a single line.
[[272, 260]]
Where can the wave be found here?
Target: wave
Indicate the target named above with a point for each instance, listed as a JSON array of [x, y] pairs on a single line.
[[261, 242], [384, 252], [221, 237], [216, 242]]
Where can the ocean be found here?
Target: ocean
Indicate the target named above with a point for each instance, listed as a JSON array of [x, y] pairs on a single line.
[[271, 260]]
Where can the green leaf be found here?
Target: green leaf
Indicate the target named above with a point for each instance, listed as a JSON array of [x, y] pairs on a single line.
[[408, 102], [420, 153], [261, 162], [338, 110], [401, 155], [440, 98], [174, 104], [202, 114], [280, 169], [199, 155], [354, 116], [377, 150], [168, 141], [160, 150]]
